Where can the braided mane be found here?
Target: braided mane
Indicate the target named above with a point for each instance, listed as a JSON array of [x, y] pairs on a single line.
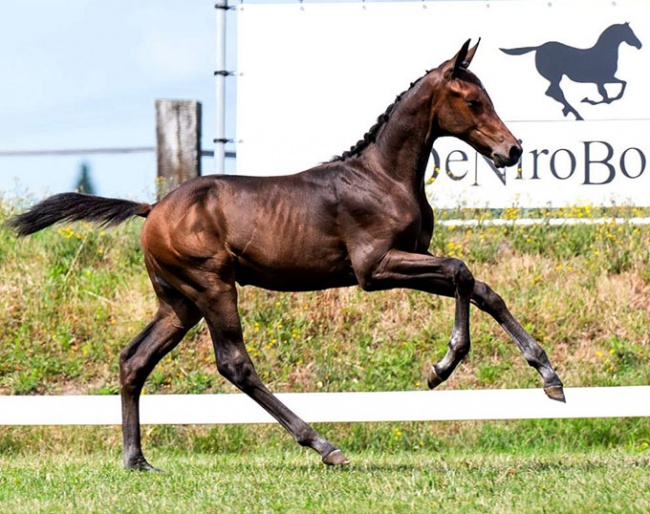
[[370, 136]]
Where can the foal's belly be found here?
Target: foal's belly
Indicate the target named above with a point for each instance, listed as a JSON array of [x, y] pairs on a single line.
[[289, 277]]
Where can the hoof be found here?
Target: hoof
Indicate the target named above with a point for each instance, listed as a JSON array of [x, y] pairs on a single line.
[[336, 458], [142, 465], [555, 392], [433, 379]]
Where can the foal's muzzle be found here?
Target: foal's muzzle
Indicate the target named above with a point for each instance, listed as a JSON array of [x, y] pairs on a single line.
[[501, 160]]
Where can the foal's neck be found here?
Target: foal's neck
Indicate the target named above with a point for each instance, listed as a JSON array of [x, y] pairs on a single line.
[[404, 142]]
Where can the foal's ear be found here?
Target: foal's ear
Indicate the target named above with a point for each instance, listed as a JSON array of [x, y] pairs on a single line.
[[470, 54], [462, 59]]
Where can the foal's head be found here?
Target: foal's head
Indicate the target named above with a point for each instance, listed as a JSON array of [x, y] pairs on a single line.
[[462, 108]]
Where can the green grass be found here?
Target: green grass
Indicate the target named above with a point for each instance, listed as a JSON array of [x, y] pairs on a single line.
[[281, 481], [71, 298]]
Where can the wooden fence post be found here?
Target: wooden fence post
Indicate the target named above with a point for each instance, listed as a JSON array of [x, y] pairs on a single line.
[[178, 142]]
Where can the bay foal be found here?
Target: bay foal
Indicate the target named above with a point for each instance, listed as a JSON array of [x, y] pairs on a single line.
[[360, 219]]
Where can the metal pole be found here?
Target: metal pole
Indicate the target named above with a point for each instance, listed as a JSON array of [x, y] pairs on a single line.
[[220, 88]]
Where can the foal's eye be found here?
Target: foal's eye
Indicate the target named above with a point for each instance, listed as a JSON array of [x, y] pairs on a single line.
[[473, 104]]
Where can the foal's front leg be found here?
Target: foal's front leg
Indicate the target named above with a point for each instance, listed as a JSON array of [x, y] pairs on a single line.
[[437, 275], [489, 301], [431, 274]]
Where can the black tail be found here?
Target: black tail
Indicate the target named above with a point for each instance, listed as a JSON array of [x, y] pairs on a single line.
[[76, 207]]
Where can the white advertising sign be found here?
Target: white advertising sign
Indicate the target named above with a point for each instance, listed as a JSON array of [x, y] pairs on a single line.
[[570, 79]]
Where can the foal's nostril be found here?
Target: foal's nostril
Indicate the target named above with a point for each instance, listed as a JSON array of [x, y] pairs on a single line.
[[515, 153]]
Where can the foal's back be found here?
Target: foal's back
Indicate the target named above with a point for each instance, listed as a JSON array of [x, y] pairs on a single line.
[[280, 233]]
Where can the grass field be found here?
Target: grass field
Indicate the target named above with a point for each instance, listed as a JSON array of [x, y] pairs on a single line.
[[279, 481], [73, 296]]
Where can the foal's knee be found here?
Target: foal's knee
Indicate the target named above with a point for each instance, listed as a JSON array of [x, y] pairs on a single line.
[[488, 300], [461, 275]]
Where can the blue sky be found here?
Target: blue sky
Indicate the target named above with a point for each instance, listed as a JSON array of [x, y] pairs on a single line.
[[86, 74]]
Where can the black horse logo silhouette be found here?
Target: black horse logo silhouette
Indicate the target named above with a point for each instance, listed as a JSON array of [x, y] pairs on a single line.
[[596, 65]]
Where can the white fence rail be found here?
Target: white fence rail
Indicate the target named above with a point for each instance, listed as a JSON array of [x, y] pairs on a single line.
[[588, 402], [553, 222]]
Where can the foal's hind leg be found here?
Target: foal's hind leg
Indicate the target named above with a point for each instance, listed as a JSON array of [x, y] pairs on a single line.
[[175, 316], [489, 301], [219, 307]]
